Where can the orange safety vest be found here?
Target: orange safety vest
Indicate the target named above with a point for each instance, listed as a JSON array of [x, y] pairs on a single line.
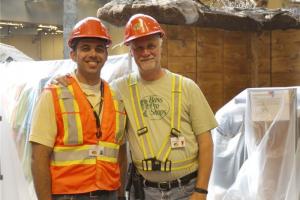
[[75, 168]]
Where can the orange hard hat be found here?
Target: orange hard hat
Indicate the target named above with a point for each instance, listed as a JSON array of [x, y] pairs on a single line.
[[90, 27], [141, 25]]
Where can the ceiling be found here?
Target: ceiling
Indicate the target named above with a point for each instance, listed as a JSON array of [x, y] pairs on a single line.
[[33, 17]]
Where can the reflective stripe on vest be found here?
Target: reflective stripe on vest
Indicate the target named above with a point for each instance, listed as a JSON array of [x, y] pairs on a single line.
[[64, 156], [108, 151], [176, 165], [143, 132], [72, 123]]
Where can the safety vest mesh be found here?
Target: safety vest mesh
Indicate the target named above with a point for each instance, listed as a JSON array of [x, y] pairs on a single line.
[[81, 162]]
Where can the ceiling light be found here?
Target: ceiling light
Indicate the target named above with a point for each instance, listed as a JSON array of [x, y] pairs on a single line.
[[11, 24], [48, 26]]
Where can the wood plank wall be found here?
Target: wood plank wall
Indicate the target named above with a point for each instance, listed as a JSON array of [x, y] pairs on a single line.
[[224, 63]]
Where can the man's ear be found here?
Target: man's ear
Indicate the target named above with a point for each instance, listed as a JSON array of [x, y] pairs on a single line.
[[73, 55]]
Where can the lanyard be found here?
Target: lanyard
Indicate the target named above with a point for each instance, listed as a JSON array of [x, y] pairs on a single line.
[[97, 115]]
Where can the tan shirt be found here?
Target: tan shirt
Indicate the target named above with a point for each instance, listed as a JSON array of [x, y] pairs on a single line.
[[155, 100]]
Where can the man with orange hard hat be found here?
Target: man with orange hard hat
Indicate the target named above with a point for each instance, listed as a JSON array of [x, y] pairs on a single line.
[[77, 130], [169, 120]]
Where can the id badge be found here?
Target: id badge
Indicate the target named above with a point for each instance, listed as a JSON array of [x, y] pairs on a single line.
[[177, 142], [100, 151], [93, 151]]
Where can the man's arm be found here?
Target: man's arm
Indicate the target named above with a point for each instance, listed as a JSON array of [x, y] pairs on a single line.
[[123, 169], [205, 159], [40, 167]]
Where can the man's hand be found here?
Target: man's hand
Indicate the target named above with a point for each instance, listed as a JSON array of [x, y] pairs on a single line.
[[63, 80], [198, 196]]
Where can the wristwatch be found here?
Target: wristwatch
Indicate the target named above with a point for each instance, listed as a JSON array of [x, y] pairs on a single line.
[[201, 190]]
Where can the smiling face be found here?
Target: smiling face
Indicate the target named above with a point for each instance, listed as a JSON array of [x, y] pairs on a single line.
[[90, 55], [147, 54]]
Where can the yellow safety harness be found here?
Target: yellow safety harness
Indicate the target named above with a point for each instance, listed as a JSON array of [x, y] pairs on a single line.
[[159, 161]]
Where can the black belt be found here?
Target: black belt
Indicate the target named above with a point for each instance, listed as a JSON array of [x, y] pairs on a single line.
[[171, 184], [94, 193], [88, 194]]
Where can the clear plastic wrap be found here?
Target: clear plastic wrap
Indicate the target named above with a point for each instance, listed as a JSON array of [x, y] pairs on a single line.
[[9, 53], [21, 84], [270, 169], [229, 146]]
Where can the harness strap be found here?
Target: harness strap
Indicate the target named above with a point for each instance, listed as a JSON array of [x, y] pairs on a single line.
[[120, 118], [142, 130], [165, 149], [176, 104], [176, 165], [158, 162]]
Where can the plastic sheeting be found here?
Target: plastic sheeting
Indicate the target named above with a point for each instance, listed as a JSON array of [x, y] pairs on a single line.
[[9, 53], [20, 86], [13, 184], [256, 152], [229, 146]]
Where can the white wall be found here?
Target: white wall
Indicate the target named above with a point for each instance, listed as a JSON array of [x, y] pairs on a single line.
[[48, 47]]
